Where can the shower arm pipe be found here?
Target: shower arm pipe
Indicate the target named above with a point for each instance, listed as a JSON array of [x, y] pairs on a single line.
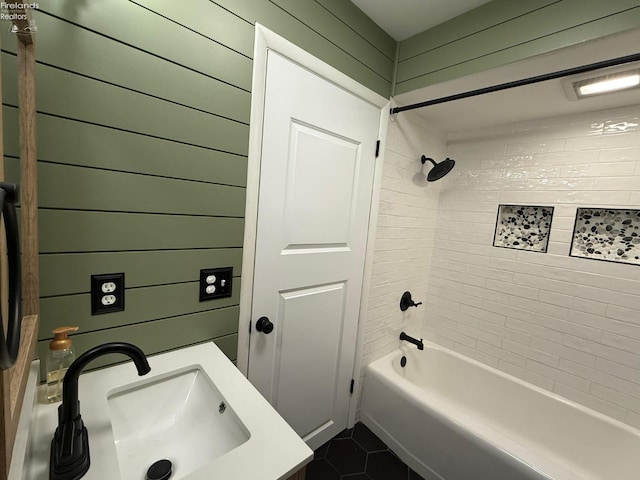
[[525, 81]]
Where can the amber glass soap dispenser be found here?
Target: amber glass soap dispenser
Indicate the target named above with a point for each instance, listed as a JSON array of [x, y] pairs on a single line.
[[59, 358]]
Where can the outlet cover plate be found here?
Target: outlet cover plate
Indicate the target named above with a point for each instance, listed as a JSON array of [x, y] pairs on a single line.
[[219, 280], [107, 293]]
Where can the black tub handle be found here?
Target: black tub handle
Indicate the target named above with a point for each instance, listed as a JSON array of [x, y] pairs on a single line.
[[10, 343], [406, 301]]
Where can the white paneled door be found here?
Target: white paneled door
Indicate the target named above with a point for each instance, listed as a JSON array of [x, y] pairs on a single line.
[[316, 180]]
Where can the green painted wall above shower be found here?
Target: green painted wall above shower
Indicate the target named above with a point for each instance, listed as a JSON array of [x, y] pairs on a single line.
[[505, 31], [143, 132]]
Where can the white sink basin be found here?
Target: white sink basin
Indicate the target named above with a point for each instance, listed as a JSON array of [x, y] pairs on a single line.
[[181, 417], [173, 413]]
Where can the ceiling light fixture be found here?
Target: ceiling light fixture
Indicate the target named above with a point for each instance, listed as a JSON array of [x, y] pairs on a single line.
[[614, 80], [610, 83]]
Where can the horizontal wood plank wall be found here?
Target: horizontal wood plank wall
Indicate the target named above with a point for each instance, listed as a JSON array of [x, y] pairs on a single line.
[[319, 34], [143, 130], [504, 31]]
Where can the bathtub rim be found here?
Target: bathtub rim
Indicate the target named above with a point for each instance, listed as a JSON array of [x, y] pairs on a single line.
[[385, 363], [477, 432]]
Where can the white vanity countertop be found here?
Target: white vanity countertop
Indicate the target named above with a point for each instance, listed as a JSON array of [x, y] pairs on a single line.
[[273, 450]]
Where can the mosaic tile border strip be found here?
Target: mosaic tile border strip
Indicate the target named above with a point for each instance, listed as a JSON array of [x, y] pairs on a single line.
[[609, 234], [523, 227]]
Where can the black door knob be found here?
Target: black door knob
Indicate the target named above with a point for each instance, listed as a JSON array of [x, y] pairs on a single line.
[[264, 325]]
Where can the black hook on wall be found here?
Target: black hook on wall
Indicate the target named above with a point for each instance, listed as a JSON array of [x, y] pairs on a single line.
[[406, 301]]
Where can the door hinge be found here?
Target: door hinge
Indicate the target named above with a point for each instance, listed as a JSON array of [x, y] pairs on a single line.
[[353, 382], [377, 148], [249, 326]]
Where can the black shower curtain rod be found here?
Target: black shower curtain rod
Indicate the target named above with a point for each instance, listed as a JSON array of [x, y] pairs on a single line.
[[525, 81]]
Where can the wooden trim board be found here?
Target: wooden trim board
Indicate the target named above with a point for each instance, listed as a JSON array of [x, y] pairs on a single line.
[[28, 176], [299, 475], [14, 380]]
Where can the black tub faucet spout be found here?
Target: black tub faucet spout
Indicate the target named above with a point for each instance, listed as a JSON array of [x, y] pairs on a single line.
[[416, 342], [70, 445]]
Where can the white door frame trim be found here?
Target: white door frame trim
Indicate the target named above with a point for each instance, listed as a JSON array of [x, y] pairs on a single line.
[[266, 40]]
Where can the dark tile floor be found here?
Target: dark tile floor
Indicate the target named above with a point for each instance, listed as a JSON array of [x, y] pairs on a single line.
[[357, 454]]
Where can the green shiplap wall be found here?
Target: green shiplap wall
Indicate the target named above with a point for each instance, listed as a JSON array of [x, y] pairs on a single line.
[[505, 31], [143, 111]]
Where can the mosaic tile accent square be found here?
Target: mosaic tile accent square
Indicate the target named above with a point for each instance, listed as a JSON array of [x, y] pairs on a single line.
[[607, 234], [523, 227]]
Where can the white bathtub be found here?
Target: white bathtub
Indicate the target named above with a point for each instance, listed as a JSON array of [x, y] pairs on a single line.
[[449, 417]]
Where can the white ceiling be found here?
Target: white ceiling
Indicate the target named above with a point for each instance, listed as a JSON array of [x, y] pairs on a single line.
[[541, 100], [404, 18]]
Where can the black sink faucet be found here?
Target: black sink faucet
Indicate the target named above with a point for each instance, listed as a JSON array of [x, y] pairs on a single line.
[[407, 338], [70, 444]]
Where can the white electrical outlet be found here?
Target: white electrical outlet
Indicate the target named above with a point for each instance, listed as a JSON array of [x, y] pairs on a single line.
[[108, 299], [215, 283], [107, 293]]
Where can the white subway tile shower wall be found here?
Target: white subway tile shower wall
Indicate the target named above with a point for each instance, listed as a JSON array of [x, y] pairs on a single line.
[[570, 325], [404, 237]]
